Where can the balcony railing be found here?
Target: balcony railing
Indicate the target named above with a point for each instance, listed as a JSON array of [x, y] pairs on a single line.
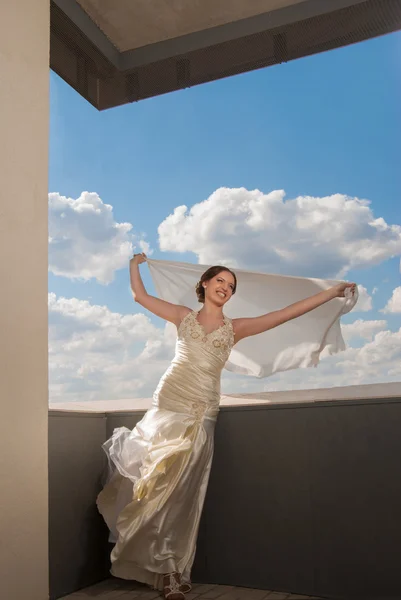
[[304, 496]]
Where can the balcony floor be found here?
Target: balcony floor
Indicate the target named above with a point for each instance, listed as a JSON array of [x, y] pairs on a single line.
[[116, 589]]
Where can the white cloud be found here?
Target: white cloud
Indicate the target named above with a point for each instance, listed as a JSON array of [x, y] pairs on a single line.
[[95, 353], [85, 241], [394, 304], [364, 303], [308, 236], [362, 329], [145, 247]]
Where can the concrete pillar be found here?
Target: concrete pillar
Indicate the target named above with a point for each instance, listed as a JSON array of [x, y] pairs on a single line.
[[24, 114]]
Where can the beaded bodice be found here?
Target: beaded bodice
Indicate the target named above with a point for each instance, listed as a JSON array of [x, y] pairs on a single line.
[[219, 341]]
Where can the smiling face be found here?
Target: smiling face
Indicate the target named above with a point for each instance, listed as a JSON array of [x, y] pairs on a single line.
[[220, 288]]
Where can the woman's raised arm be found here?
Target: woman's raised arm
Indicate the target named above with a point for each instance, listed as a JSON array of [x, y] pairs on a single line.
[[252, 326], [165, 310]]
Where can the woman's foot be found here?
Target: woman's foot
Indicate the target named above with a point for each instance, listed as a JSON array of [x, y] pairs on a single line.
[[172, 587], [185, 588]]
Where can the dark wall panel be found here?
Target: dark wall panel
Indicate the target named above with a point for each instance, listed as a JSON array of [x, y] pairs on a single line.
[[355, 479], [306, 499], [77, 535], [258, 508], [122, 420]]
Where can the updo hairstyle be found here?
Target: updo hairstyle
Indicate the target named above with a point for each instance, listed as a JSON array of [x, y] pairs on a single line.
[[207, 276]]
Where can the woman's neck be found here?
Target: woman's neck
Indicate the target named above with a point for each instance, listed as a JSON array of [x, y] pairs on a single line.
[[212, 312]]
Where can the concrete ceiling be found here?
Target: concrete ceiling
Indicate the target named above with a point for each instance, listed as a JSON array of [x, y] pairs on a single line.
[[130, 24], [118, 51]]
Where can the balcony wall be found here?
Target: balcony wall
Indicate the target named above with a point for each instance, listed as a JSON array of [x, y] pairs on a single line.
[[303, 498]]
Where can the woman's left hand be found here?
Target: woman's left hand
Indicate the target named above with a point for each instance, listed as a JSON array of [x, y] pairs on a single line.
[[342, 287]]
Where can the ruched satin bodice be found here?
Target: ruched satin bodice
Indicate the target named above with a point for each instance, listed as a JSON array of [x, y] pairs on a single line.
[[153, 500], [192, 382]]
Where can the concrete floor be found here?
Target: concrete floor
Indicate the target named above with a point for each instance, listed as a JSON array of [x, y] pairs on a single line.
[[116, 589]]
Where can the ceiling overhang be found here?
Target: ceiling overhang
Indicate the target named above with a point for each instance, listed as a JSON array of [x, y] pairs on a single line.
[[114, 52]]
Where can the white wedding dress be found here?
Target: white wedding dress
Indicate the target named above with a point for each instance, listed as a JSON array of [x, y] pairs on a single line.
[[153, 501]]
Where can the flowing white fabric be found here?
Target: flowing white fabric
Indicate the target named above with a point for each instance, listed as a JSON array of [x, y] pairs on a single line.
[[298, 343]]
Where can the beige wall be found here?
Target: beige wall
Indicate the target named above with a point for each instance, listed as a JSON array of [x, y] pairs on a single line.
[[24, 76]]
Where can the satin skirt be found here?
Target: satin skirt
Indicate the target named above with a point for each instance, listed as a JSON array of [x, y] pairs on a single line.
[[154, 497]]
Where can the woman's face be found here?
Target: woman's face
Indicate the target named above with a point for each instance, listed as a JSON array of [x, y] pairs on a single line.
[[220, 288]]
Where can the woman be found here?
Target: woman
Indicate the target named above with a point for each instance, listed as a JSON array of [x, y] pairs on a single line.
[[160, 470]]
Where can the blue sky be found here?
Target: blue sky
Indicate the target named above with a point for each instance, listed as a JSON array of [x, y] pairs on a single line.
[[327, 124]]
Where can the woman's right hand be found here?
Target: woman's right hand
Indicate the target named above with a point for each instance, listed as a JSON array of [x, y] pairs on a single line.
[[166, 310], [138, 259]]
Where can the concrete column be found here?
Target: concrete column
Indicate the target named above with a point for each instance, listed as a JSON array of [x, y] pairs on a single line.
[[24, 113]]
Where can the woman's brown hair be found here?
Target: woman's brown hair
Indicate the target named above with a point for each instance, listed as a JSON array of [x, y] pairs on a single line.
[[207, 276]]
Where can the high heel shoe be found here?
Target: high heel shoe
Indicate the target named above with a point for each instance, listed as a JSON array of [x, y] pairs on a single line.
[[172, 587]]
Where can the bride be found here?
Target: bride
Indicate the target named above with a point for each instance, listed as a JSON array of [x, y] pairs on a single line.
[[154, 497]]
